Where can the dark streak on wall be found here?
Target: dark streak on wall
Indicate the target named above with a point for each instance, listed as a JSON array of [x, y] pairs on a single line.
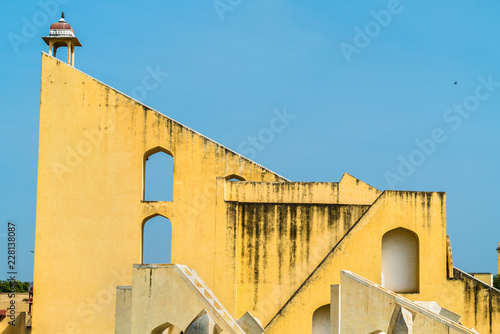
[[291, 237], [483, 301]]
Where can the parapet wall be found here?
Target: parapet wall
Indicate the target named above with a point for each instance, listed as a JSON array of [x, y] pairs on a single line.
[[348, 191]]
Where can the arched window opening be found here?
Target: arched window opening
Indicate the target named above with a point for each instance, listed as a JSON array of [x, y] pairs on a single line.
[[321, 320], [156, 240], [400, 261], [158, 175], [234, 177]]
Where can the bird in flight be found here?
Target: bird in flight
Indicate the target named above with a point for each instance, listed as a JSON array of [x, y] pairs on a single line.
[[456, 83]]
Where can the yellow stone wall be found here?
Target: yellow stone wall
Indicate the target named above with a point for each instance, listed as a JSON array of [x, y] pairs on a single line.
[[21, 305], [348, 191], [280, 245], [486, 278], [268, 246], [93, 141], [357, 294]]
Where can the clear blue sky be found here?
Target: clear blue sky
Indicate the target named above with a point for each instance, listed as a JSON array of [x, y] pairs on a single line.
[[365, 81]]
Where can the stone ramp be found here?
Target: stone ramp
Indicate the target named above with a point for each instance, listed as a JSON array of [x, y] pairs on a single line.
[[169, 296]]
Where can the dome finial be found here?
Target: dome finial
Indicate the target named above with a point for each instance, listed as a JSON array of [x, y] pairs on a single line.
[[61, 34]]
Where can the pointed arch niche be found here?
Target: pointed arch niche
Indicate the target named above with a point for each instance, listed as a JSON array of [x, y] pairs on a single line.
[[158, 175], [156, 240], [400, 261]]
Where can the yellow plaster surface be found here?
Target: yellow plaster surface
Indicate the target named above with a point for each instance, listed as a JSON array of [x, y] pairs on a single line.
[[360, 251], [264, 245], [92, 146]]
